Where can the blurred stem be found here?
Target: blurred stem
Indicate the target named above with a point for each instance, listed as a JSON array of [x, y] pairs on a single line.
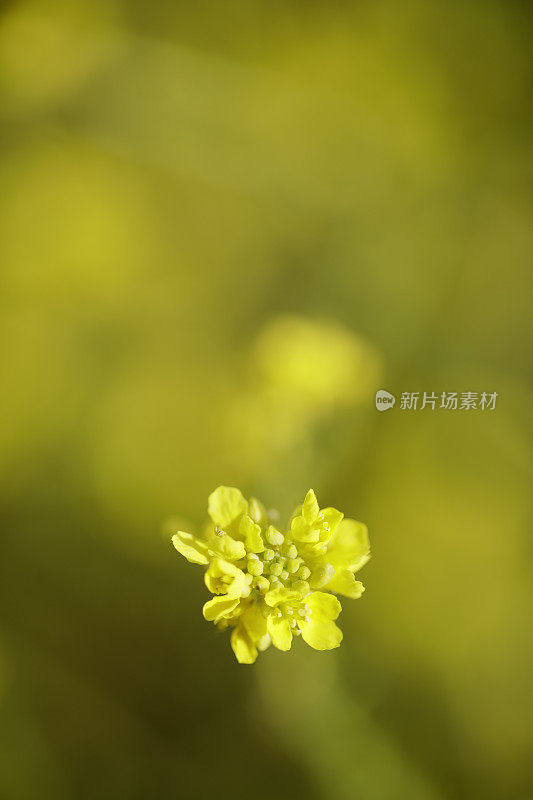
[[345, 751]]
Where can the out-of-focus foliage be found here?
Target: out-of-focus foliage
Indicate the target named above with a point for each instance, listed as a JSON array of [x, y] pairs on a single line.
[[222, 228]]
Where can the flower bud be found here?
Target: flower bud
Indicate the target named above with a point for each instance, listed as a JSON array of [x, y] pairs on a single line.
[[274, 537], [255, 567], [256, 510]]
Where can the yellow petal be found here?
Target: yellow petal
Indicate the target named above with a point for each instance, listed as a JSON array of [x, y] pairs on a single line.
[[280, 631], [192, 548], [310, 507], [264, 643], [345, 583], [349, 547], [223, 577], [280, 595], [225, 505], [324, 606], [320, 634], [321, 576], [243, 647], [254, 622], [303, 532], [218, 607], [329, 523], [227, 547], [252, 535]]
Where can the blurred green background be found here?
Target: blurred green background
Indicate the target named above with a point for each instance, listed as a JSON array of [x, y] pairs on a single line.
[[223, 226]]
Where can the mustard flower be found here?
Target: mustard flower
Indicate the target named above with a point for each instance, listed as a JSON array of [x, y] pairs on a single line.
[[269, 586]]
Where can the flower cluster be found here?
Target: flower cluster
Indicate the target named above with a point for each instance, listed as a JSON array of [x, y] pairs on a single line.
[[269, 586]]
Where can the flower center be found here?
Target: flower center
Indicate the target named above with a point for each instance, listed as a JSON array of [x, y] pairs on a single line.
[[282, 563]]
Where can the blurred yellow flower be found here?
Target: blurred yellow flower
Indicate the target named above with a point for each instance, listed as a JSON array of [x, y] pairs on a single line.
[[317, 362], [301, 372], [265, 582]]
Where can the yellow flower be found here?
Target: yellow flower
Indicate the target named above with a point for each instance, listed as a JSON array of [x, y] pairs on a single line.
[[264, 582]]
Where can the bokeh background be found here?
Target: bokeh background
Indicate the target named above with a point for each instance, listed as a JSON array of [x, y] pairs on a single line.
[[223, 226]]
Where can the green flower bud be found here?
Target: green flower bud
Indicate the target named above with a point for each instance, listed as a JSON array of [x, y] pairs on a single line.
[[291, 551], [256, 510], [304, 572]]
